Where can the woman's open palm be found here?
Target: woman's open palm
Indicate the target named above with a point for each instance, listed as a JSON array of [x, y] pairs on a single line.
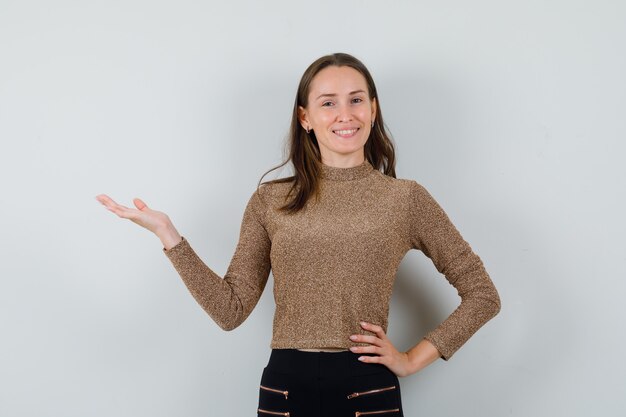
[[143, 215]]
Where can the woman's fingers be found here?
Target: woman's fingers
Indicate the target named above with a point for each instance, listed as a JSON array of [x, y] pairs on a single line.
[[142, 215], [139, 203], [364, 338], [120, 210], [104, 199], [378, 340], [108, 202], [366, 349], [385, 352], [377, 344], [374, 328]]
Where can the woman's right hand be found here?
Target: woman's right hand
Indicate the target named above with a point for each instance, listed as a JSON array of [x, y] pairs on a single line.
[[155, 221]]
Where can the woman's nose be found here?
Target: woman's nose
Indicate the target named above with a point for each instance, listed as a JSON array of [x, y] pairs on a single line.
[[344, 113]]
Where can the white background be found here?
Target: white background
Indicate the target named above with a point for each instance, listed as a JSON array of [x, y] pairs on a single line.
[[512, 114]]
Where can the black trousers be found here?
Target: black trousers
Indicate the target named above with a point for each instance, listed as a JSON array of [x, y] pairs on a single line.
[[327, 384]]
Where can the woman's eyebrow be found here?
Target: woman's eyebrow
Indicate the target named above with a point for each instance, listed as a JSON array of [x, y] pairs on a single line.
[[334, 95]]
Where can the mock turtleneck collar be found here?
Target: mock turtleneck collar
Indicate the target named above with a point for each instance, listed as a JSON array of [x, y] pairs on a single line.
[[346, 174]]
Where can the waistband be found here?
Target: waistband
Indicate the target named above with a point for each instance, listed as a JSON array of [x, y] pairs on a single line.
[[323, 364]]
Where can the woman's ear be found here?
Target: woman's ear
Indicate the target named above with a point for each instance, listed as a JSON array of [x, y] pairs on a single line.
[[303, 118], [374, 105]]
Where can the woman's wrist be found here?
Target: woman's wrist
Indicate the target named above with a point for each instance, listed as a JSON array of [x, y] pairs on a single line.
[[422, 355], [169, 236]]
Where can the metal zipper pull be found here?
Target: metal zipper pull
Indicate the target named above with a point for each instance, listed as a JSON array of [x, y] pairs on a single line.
[[277, 413], [357, 394], [365, 413], [285, 393]]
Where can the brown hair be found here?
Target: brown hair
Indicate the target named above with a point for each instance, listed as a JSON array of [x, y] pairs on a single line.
[[303, 148]]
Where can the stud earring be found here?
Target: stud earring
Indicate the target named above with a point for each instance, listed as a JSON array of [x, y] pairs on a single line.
[[307, 130]]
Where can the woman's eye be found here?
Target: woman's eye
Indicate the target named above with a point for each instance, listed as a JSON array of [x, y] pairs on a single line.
[[357, 100], [327, 103]]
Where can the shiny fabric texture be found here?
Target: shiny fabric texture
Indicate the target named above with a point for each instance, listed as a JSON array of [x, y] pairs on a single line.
[[334, 263]]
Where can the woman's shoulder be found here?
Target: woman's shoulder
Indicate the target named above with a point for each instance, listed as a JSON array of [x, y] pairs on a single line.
[[401, 185], [275, 188], [269, 192]]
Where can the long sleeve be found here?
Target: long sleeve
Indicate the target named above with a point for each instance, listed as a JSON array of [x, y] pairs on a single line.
[[229, 301], [433, 233]]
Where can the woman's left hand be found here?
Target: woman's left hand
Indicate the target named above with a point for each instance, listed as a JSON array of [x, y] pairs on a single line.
[[388, 355]]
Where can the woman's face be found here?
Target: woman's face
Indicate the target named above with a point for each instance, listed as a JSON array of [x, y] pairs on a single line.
[[340, 113]]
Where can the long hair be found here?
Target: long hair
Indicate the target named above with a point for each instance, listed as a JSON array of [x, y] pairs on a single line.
[[303, 149]]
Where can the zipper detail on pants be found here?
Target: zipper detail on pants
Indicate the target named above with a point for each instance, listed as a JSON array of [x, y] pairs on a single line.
[[285, 393], [365, 413], [372, 391], [276, 413]]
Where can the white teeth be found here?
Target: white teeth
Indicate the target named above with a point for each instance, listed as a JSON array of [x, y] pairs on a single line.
[[345, 132]]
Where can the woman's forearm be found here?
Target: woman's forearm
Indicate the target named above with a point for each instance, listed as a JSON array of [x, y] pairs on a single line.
[[422, 355]]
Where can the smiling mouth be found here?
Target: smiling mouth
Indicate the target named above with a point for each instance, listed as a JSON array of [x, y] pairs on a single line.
[[345, 133]]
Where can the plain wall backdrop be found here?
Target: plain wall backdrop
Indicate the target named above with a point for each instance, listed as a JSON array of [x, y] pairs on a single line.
[[512, 114]]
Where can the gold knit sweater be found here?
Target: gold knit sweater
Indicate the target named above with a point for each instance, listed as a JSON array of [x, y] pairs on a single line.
[[334, 263]]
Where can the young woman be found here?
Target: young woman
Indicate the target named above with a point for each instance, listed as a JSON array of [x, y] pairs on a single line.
[[333, 235]]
